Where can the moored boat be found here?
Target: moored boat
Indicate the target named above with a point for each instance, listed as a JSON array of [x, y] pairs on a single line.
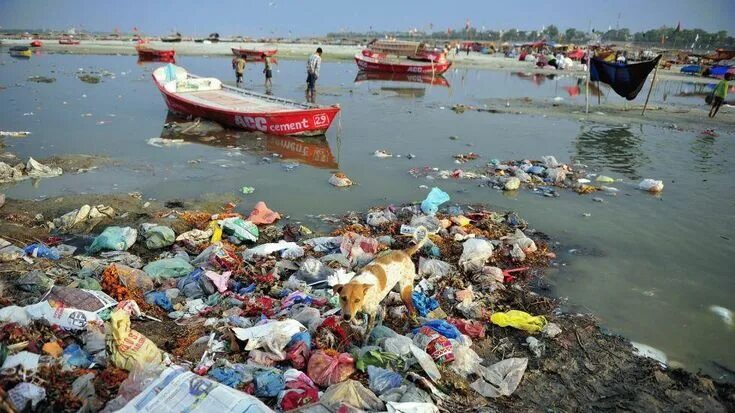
[[20, 51], [68, 41], [174, 38], [36, 43], [253, 54], [146, 52], [379, 64], [208, 98]]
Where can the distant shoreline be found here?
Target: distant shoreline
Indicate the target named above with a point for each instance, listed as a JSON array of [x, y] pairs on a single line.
[[303, 50]]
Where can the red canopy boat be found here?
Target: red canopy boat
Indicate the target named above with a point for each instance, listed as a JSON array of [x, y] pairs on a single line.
[[147, 52], [378, 64], [208, 98], [253, 54], [68, 41], [36, 43]]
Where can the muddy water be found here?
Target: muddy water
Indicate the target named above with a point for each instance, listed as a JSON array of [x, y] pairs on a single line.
[[649, 267]]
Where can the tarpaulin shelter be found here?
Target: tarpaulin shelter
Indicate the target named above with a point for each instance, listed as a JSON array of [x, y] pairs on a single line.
[[625, 79]]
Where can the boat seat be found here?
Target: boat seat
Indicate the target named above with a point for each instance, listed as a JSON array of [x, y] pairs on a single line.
[[198, 85]]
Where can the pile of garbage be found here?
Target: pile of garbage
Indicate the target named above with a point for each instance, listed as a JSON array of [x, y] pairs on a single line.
[[30, 169], [200, 311], [543, 176]]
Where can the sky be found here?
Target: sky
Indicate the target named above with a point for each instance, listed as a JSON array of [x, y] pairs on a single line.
[[290, 18]]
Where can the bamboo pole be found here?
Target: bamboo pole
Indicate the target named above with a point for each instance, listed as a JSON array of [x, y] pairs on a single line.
[[587, 88], [650, 89], [598, 93]]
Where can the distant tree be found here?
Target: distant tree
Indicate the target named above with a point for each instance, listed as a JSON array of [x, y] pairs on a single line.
[[551, 32]]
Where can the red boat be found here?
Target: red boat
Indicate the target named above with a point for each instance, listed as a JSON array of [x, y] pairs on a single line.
[[208, 98], [253, 54], [36, 43], [147, 52], [68, 41], [436, 80], [377, 64]]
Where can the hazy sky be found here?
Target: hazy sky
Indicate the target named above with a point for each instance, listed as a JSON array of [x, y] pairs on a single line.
[[315, 17]]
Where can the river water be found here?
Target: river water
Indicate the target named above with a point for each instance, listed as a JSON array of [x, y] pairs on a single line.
[[648, 266]]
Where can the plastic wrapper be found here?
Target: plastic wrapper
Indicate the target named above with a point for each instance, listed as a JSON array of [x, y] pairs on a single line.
[[40, 250], [114, 238], [475, 252], [435, 345], [520, 320], [433, 268], [351, 393], [500, 379], [240, 229], [381, 380], [411, 407], [380, 218], [327, 370], [430, 205], [157, 236], [26, 394], [262, 215], [168, 268]]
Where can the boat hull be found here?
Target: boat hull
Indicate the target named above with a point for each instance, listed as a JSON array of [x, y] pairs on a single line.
[[253, 54], [297, 122], [150, 54], [370, 65], [69, 42]]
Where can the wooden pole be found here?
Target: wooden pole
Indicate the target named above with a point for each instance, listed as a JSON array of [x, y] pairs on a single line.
[[587, 88], [598, 92], [650, 89]]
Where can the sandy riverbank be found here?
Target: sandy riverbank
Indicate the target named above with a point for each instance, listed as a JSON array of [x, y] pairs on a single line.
[[303, 50]]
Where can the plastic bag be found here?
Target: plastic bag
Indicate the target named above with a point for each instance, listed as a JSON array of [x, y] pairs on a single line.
[[35, 281], [550, 161], [133, 278], [471, 328], [433, 268], [327, 370], [312, 270], [466, 360], [351, 393], [355, 246], [426, 362], [435, 345], [380, 359], [379, 218], [240, 229], [168, 268], [114, 238], [128, 348], [500, 379], [40, 250], [651, 185], [520, 320], [26, 392], [411, 407], [299, 391], [512, 183], [444, 328], [262, 215], [475, 252], [436, 197], [520, 239], [423, 303], [557, 175], [74, 356], [264, 250], [157, 236], [381, 380], [268, 383], [340, 180], [160, 299]]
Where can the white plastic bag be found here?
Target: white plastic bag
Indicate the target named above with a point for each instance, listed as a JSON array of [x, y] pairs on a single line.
[[474, 254], [500, 379], [651, 185]]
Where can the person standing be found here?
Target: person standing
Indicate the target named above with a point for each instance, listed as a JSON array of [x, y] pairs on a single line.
[[719, 95], [238, 63], [268, 73], [312, 74]]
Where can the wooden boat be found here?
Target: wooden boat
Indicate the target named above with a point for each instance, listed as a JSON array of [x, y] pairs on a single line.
[[208, 98], [147, 52], [253, 54], [36, 43], [68, 41], [20, 51], [436, 80], [378, 64]]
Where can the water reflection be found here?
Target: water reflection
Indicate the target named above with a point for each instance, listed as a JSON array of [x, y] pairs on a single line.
[[618, 149], [536, 78], [143, 60], [313, 151], [703, 148], [436, 80]]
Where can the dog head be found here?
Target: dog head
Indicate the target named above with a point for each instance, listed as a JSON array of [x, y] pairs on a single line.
[[351, 298]]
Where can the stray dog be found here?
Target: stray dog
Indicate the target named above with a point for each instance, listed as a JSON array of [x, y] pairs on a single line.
[[367, 290]]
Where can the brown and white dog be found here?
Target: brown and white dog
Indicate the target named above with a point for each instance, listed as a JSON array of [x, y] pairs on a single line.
[[367, 290]]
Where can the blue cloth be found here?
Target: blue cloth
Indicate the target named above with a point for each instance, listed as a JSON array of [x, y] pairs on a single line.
[[170, 72], [160, 299], [423, 303], [42, 251], [269, 383], [442, 327], [436, 197], [226, 376], [626, 80]]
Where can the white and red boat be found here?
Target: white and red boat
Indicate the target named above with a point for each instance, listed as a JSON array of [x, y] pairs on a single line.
[[146, 52], [375, 62], [68, 41], [208, 98], [253, 54]]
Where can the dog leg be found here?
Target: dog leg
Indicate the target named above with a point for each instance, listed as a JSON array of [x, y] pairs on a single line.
[[406, 286], [369, 328]]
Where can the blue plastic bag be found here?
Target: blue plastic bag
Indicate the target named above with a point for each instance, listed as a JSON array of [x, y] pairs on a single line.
[[269, 383], [442, 327], [75, 356], [40, 250], [160, 299], [302, 336], [226, 376], [423, 303], [382, 380], [436, 197]]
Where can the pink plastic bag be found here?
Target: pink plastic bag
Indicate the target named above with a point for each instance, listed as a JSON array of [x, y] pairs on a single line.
[[262, 215], [354, 245], [326, 370]]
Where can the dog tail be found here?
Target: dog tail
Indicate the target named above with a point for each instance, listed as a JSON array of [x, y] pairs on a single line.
[[421, 235]]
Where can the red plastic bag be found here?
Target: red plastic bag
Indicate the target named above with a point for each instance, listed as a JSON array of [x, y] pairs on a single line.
[[297, 394], [471, 328], [327, 370], [261, 305], [298, 354], [262, 215]]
